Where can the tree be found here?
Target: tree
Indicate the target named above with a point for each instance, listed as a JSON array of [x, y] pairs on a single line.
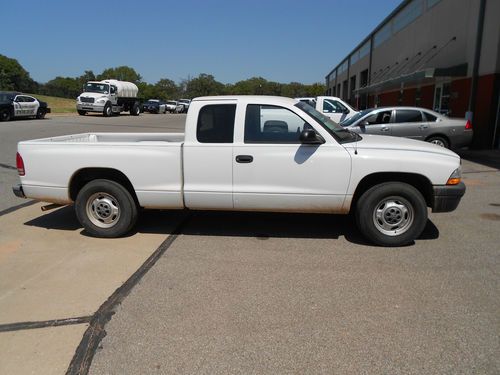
[[14, 77], [64, 87], [204, 85], [167, 89], [121, 73]]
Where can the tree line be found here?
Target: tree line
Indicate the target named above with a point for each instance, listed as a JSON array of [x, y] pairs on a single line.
[[13, 77]]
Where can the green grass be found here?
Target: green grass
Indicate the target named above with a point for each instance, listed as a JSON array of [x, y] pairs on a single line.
[[58, 105]]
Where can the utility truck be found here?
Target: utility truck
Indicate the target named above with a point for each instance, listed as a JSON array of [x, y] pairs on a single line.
[[109, 97], [245, 153]]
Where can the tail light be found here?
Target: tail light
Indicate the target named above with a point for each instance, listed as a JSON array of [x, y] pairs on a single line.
[[468, 125], [20, 164]]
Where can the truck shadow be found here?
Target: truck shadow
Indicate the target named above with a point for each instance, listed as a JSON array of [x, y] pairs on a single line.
[[232, 224]]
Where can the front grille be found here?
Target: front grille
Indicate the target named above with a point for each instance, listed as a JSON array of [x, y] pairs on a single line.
[[87, 100]]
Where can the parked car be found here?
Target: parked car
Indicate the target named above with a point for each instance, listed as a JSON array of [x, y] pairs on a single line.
[[185, 103], [412, 122], [154, 106], [245, 153], [331, 106], [16, 104], [174, 106]]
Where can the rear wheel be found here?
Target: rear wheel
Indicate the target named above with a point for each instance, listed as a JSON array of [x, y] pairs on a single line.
[[5, 115], [107, 110], [82, 113], [440, 141], [391, 214], [135, 110], [106, 209]]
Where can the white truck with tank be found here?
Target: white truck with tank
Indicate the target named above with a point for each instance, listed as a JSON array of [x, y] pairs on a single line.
[[245, 153], [109, 97]]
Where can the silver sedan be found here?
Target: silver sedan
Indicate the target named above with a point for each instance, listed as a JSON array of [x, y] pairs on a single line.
[[412, 122]]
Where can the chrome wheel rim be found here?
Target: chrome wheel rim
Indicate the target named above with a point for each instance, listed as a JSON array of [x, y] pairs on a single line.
[[108, 110], [393, 216], [103, 210], [438, 142]]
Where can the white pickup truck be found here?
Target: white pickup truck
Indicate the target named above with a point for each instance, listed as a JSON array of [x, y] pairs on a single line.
[[245, 153]]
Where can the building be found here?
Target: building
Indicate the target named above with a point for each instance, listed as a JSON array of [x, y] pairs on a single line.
[[439, 54]]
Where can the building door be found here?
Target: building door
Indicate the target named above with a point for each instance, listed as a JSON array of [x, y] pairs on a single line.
[[442, 98]]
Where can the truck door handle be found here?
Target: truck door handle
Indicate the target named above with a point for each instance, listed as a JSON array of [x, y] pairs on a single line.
[[384, 129], [423, 126], [244, 158]]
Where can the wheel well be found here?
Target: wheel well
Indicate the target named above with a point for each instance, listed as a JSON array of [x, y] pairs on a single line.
[[84, 176], [421, 183]]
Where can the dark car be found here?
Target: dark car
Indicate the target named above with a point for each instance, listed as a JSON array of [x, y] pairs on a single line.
[[154, 106], [16, 104], [412, 122]]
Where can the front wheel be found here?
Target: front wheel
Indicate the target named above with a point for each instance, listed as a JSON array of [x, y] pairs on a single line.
[[108, 111], [82, 113], [106, 209], [391, 214], [40, 114]]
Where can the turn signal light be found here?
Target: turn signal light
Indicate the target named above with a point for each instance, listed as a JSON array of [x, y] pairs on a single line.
[[19, 164], [453, 181], [468, 125]]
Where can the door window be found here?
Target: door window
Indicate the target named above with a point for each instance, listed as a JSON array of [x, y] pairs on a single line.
[[383, 117], [28, 99], [408, 115], [333, 106], [271, 124], [216, 123]]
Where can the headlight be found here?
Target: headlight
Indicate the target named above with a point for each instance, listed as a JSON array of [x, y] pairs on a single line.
[[77, 98], [100, 100], [455, 177]]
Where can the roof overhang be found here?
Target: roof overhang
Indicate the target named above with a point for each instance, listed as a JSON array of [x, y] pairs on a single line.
[[422, 76]]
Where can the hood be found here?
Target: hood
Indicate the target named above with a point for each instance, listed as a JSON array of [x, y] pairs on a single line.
[[383, 142], [95, 95]]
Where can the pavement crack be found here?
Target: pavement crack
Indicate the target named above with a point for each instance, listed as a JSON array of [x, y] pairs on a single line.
[[44, 324], [82, 360]]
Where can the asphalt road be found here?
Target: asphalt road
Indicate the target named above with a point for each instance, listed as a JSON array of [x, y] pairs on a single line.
[[14, 131], [275, 293]]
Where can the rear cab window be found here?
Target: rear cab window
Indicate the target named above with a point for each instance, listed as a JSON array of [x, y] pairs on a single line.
[[216, 123]]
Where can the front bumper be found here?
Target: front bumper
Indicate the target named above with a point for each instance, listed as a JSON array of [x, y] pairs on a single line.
[[18, 191], [447, 197], [90, 107]]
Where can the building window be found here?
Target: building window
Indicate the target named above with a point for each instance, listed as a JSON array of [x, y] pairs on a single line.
[[338, 89], [409, 14], [382, 35], [364, 50], [344, 89], [353, 87]]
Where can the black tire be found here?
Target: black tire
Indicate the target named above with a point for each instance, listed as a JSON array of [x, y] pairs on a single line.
[[40, 114], [391, 214], [107, 111], [440, 141], [5, 115], [106, 209], [135, 110], [82, 113]]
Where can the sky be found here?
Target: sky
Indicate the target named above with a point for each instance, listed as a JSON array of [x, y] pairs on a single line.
[[279, 40]]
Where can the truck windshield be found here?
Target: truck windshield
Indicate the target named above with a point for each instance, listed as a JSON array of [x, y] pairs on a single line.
[[338, 132], [102, 88]]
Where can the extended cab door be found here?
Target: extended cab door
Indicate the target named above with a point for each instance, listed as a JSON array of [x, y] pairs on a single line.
[[208, 155], [334, 109], [274, 171]]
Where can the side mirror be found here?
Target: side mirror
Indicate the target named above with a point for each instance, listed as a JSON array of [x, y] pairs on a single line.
[[310, 137], [364, 123], [346, 111]]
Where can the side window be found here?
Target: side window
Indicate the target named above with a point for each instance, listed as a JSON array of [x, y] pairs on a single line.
[[332, 106], [28, 99], [271, 124], [430, 117], [19, 99], [383, 117], [408, 115], [216, 123]]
